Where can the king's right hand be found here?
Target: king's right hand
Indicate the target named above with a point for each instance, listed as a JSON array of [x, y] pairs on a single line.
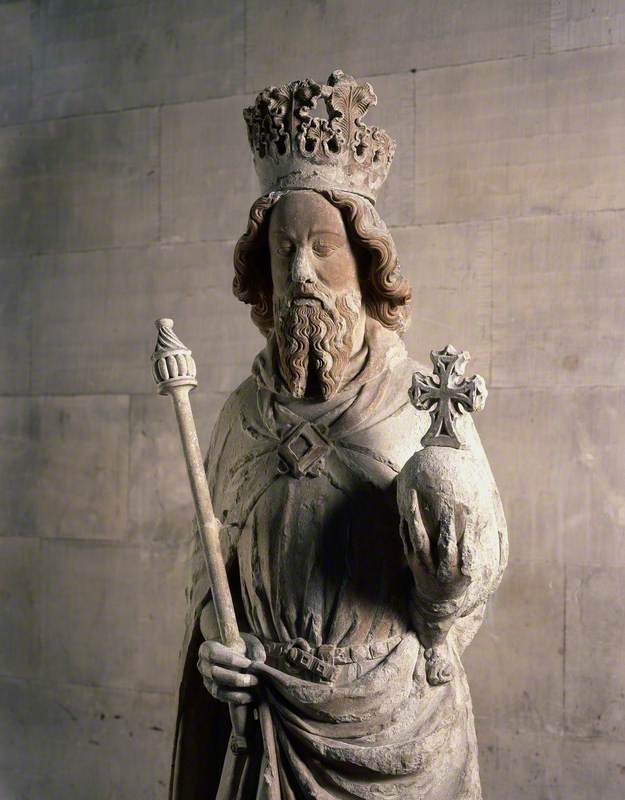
[[224, 670]]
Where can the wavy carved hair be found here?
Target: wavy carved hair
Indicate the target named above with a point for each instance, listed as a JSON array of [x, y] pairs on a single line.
[[386, 293]]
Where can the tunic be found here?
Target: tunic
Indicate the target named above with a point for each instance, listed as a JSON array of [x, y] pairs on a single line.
[[306, 494]]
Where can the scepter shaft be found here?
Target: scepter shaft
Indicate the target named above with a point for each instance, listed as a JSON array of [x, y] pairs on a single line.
[[174, 371], [207, 523]]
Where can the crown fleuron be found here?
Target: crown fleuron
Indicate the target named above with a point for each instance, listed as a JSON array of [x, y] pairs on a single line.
[[293, 150]]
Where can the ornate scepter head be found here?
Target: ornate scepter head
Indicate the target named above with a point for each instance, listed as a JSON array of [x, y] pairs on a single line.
[[172, 363]]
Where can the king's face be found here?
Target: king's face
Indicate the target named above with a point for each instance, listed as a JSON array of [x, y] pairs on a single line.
[[309, 246], [317, 300]]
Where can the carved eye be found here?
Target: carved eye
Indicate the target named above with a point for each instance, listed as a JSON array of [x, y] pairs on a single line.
[[323, 249], [284, 249]]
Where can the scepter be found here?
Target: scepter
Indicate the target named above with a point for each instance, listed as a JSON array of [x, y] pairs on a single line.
[[174, 372]]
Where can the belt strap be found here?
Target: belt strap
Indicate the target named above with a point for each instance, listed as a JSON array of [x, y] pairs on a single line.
[[324, 659]]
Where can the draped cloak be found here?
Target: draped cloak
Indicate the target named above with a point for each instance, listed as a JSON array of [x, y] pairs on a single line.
[[318, 557]]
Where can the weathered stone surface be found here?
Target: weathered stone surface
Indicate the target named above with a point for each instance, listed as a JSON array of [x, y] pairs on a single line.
[[595, 651], [20, 582], [15, 62], [95, 314], [204, 149], [520, 764], [15, 324], [559, 300], [80, 183], [563, 489], [119, 55], [160, 504], [524, 627], [314, 413], [315, 136], [64, 466], [71, 741], [517, 137], [450, 270], [130, 598], [374, 39], [585, 23]]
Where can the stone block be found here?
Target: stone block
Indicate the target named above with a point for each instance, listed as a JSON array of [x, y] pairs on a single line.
[[160, 503], [20, 579], [95, 317], [94, 321], [79, 184], [58, 742], [104, 57], [15, 62], [208, 180], [15, 325], [515, 665], [161, 583], [64, 466], [593, 768], [450, 270], [521, 137], [520, 765], [113, 616], [582, 23], [595, 653], [558, 457], [559, 300], [370, 38]]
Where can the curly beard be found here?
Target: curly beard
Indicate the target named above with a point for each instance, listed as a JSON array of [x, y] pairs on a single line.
[[314, 332]]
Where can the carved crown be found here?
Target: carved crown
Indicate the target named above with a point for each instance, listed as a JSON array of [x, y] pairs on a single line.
[[293, 150]]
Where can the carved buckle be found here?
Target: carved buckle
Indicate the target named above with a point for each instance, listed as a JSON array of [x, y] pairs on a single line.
[[303, 450], [303, 659]]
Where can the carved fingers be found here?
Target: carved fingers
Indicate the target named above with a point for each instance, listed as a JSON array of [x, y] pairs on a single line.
[[455, 560], [415, 536], [224, 671], [439, 539], [469, 544], [447, 545]]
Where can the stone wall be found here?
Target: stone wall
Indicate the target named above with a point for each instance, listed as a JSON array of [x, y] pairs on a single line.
[[125, 180]]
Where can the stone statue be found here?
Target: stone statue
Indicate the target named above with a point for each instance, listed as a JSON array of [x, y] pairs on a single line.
[[361, 527]]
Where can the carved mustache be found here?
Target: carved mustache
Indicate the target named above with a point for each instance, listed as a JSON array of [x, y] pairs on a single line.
[[304, 294]]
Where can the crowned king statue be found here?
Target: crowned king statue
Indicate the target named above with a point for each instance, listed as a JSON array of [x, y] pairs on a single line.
[[359, 522]]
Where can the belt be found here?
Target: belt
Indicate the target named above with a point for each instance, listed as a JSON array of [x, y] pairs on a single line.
[[322, 661]]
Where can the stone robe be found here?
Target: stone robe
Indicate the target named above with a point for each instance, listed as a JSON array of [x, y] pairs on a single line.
[[318, 558]]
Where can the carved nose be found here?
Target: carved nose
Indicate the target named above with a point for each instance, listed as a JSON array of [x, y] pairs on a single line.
[[302, 270]]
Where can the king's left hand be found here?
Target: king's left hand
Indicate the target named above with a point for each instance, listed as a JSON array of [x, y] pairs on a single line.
[[445, 500]]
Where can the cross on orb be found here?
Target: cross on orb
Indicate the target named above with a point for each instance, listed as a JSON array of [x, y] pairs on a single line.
[[446, 395]]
